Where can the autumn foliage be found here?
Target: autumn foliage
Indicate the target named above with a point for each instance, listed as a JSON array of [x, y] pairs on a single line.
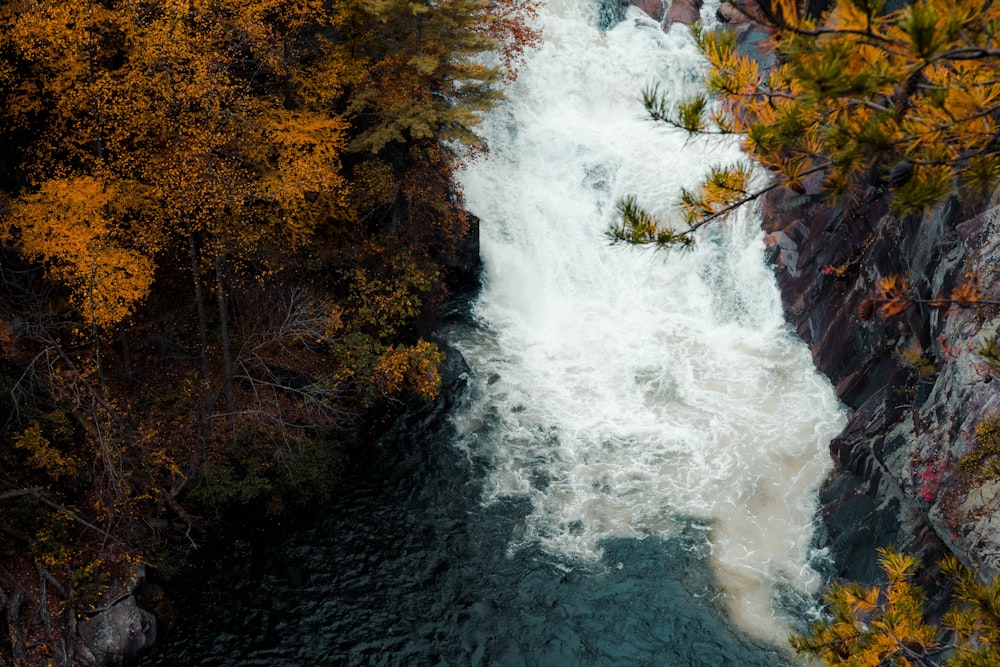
[[893, 294], [887, 624], [861, 101], [226, 225]]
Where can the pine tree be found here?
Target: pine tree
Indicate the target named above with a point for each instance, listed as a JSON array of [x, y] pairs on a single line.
[[428, 72], [909, 98], [874, 626]]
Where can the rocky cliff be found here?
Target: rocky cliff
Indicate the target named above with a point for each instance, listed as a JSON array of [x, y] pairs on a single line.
[[916, 385]]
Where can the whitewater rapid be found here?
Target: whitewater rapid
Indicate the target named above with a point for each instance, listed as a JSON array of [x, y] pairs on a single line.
[[627, 393]]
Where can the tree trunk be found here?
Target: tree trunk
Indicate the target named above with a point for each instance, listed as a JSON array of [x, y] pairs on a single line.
[[14, 603], [199, 302], [227, 362], [126, 352], [203, 422]]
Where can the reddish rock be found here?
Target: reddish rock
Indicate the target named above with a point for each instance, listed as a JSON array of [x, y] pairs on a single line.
[[655, 8], [728, 13], [684, 11]]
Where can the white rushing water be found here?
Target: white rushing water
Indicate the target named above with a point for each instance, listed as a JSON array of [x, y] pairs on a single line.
[[625, 391]]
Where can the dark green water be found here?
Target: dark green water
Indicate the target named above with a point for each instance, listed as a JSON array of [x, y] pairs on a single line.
[[408, 568]]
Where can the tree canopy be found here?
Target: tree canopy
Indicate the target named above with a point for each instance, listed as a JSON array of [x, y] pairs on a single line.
[[226, 226]]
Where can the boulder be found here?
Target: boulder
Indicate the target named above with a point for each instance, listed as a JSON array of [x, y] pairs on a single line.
[[728, 13], [654, 8], [118, 632], [684, 11]]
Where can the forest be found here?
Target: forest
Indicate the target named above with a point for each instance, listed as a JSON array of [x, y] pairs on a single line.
[[227, 228]]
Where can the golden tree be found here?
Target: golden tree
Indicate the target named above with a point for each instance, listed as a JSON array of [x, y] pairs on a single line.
[[176, 184], [67, 224]]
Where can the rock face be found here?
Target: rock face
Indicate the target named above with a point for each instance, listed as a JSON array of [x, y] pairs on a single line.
[[120, 630], [118, 633], [915, 384]]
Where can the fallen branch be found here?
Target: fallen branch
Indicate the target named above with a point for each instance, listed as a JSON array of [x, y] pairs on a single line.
[[17, 494]]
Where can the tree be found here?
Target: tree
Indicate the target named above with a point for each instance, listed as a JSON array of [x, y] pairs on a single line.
[[875, 625], [429, 72], [861, 99], [886, 625], [68, 224]]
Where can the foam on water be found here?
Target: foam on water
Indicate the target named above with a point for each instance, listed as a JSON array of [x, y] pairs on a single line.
[[624, 392]]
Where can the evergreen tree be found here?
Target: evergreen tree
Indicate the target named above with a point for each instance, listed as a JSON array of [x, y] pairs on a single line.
[[909, 98], [885, 626]]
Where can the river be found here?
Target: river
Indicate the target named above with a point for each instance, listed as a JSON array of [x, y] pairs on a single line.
[[627, 471]]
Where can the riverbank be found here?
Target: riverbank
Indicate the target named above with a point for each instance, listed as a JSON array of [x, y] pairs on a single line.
[[918, 383]]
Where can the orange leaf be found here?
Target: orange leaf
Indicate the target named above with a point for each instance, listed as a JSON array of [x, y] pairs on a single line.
[[893, 291], [893, 286], [892, 308], [966, 294]]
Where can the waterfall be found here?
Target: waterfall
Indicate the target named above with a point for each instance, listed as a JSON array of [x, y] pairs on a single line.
[[630, 393]]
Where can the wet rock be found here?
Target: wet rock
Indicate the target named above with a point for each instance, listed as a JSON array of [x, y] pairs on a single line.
[[656, 9], [684, 11], [857, 521], [667, 12], [786, 251]]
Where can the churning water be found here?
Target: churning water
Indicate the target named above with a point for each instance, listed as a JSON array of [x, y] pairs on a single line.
[[627, 472], [628, 394]]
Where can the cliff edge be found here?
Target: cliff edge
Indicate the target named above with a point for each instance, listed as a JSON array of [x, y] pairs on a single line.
[[916, 384]]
